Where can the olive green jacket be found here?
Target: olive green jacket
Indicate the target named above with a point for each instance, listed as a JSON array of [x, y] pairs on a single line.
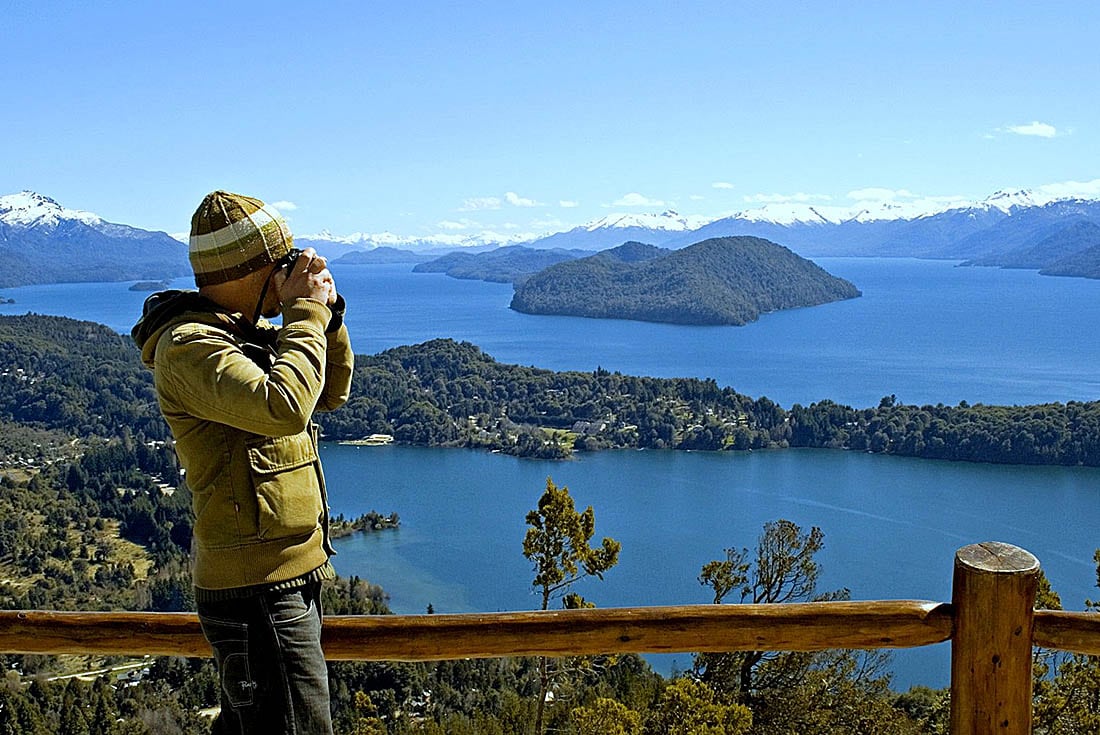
[[238, 399]]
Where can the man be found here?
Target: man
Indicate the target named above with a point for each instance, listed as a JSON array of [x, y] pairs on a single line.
[[238, 394]]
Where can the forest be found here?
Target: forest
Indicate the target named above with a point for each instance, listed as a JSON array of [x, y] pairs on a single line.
[[66, 381], [446, 393]]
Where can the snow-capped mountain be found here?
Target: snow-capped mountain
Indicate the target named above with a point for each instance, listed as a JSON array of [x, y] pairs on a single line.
[[667, 221], [30, 209], [951, 230], [43, 242], [1006, 200], [615, 229], [334, 246]]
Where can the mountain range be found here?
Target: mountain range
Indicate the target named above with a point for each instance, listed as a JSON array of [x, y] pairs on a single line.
[[972, 231], [41, 241], [956, 230]]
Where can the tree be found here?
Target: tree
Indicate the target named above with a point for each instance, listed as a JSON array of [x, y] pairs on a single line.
[[606, 717], [784, 570], [558, 546], [690, 707], [790, 692], [1068, 701]]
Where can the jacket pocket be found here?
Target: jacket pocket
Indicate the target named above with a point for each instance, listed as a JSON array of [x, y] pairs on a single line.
[[288, 494]]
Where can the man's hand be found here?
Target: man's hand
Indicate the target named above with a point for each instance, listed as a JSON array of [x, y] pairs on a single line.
[[308, 278]]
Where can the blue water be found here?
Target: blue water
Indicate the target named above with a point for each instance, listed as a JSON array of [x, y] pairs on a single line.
[[891, 525], [926, 331]]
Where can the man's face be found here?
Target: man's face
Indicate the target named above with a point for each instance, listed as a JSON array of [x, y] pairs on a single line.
[[271, 306]]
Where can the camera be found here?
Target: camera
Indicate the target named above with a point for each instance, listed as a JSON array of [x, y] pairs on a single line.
[[287, 261]]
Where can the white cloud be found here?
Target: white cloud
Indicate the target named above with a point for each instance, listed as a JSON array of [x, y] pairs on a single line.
[[1070, 189], [284, 206], [634, 199], [721, 185], [786, 198], [463, 224], [879, 194], [474, 204], [1037, 129], [517, 201], [567, 204], [548, 224]]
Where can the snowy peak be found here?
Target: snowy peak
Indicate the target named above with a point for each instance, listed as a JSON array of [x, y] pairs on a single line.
[[667, 221], [369, 241], [793, 214], [30, 209], [1006, 199]]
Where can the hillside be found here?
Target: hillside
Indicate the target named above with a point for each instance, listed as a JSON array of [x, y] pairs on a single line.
[[1082, 264], [378, 256], [509, 264], [1055, 254], [728, 280]]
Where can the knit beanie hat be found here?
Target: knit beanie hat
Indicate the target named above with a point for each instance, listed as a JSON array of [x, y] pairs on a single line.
[[234, 235]]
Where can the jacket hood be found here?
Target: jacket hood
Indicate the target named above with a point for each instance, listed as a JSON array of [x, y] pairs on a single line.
[[160, 310]]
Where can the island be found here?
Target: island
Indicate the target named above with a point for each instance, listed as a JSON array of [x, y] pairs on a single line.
[[339, 526], [721, 281], [149, 286]]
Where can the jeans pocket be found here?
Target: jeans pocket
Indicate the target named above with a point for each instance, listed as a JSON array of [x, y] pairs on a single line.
[[229, 640], [286, 608]]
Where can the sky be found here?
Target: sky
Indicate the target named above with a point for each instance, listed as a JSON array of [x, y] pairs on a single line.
[[421, 118]]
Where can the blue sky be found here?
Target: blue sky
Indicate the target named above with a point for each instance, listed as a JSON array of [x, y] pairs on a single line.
[[426, 117]]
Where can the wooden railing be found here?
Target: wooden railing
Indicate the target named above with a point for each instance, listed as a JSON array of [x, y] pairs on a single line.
[[990, 621]]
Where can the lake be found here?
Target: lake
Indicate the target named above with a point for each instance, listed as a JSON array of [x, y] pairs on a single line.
[[927, 331], [892, 525]]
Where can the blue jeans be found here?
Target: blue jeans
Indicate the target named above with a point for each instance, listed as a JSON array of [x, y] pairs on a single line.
[[272, 671]]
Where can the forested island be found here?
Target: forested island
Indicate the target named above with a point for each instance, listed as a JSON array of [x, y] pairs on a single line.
[[725, 280]]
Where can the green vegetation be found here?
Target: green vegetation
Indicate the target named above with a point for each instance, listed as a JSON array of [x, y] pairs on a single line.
[[372, 521], [835, 691], [727, 280], [444, 393], [558, 545], [93, 516], [68, 386]]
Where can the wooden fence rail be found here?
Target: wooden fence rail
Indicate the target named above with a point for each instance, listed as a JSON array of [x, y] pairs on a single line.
[[991, 623]]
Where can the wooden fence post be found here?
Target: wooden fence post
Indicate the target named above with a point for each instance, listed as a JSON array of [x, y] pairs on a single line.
[[993, 598]]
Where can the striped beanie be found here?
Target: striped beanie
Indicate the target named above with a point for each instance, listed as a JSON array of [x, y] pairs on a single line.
[[234, 235]]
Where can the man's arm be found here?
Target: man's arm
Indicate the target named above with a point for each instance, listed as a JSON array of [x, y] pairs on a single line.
[[207, 375]]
